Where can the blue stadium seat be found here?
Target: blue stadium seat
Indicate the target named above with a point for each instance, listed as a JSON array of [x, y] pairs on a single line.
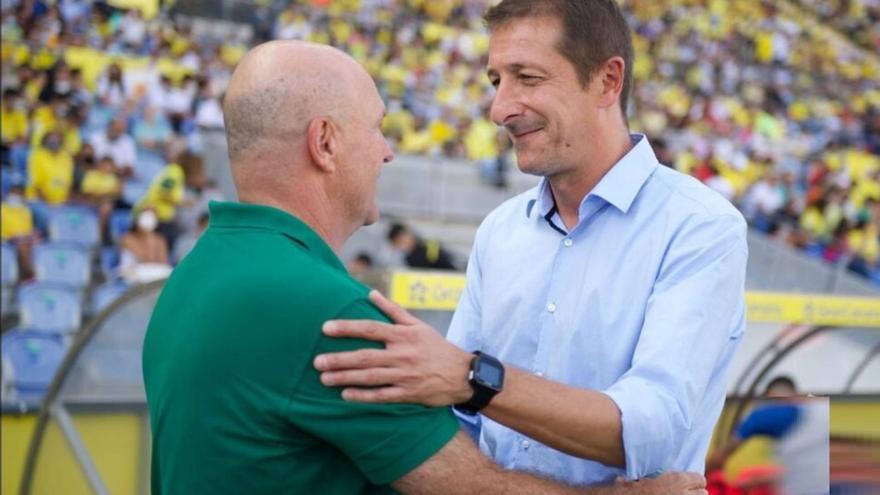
[[105, 294], [9, 273], [34, 357], [75, 224], [119, 223], [9, 265], [5, 179], [149, 163], [110, 262], [49, 306], [98, 119], [65, 263], [134, 189]]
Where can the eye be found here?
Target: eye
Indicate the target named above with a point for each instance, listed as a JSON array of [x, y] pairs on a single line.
[[495, 82], [529, 78]]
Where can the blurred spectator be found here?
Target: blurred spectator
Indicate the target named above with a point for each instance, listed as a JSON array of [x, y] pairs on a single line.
[[111, 89], [115, 143], [409, 250], [799, 425], [14, 129], [164, 195], [144, 253], [102, 188], [18, 228], [152, 132], [362, 263], [50, 173]]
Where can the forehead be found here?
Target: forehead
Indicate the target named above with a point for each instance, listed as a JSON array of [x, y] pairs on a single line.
[[526, 41]]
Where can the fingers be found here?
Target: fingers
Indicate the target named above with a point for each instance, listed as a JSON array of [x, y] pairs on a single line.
[[364, 358], [372, 377], [384, 394], [359, 329], [391, 309]]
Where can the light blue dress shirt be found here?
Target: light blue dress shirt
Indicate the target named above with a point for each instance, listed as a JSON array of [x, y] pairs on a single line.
[[643, 300]]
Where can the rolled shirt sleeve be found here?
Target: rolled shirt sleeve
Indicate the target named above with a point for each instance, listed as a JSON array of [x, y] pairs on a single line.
[[694, 314]]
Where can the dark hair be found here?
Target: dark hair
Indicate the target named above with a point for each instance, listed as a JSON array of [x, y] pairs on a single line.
[[364, 258], [592, 32], [395, 231], [783, 381]]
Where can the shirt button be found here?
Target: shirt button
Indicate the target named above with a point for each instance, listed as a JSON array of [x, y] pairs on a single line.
[[567, 243], [551, 308], [525, 445]]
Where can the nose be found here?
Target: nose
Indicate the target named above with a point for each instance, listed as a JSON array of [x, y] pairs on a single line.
[[504, 104]]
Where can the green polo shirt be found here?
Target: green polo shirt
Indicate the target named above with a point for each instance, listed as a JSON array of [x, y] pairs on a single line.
[[235, 403]]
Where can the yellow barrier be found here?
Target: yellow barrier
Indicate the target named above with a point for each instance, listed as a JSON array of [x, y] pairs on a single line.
[[439, 291], [427, 290], [114, 440], [839, 311]]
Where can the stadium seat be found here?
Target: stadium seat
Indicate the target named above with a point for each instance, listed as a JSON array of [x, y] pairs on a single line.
[[75, 224], [105, 294], [50, 307], [65, 263], [33, 357], [134, 189], [149, 163], [120, 223], [98, 119], [109, 262], [9, 265], [10, 278], [5, 180]]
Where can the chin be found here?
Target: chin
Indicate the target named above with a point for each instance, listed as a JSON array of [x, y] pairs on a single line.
[[531, 168]]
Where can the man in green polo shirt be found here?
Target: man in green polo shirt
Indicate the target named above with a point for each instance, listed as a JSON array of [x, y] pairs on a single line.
[[235, 404]]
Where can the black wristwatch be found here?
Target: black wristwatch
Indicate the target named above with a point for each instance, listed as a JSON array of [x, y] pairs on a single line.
[[486, 378]]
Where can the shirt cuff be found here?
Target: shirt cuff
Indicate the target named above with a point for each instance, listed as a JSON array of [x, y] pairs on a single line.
[[647, 436]]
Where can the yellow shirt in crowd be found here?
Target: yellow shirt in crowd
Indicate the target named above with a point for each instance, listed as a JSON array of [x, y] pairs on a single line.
[[13, 124], [17, 221], [100, 183], [165, 192], [51, 175]]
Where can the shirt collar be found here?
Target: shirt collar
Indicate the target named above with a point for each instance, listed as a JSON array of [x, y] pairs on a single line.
[[620, 185], [246, 215]]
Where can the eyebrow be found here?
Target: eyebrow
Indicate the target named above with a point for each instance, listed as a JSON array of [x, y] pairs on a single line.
[[509, 67]]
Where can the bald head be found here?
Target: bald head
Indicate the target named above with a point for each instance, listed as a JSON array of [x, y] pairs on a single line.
[[278, 88]]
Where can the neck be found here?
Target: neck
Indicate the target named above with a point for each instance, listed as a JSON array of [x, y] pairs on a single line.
[[313, 210], [570, 188]]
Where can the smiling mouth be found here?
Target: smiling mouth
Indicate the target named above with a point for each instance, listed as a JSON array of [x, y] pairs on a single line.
[[527, 133]]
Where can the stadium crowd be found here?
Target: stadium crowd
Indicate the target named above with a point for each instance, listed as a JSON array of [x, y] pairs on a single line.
[[102, 106]]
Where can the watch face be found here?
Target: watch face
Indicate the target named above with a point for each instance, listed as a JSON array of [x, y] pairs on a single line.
[[490, 374]]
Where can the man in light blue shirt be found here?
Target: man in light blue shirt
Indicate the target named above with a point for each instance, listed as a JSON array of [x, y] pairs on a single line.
[[613, 293]]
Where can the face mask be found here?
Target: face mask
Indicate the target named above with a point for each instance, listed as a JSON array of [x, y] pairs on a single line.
[[53, 144], [15, 199], [62, 87], [147, 221]]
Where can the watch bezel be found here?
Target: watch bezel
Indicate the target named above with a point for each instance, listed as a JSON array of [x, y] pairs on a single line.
[[475, 376]]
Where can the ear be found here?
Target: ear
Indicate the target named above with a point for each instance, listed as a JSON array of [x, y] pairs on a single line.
[[322, 140], [611, 77]]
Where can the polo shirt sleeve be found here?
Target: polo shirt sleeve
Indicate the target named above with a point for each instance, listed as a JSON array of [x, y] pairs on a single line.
[[385, 441]]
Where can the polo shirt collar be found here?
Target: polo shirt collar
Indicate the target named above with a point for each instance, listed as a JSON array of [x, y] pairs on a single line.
[[253, 216], [620, 185]]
